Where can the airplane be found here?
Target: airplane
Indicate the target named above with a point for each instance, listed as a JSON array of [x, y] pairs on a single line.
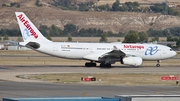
[[104, 53]]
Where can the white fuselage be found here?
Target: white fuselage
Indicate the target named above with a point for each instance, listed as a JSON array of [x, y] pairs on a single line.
[[79, 50]]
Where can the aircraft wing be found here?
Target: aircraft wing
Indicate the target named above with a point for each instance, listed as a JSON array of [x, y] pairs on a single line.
[[115, 53]]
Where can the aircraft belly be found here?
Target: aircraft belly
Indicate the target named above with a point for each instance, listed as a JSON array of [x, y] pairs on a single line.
[[152, 57]]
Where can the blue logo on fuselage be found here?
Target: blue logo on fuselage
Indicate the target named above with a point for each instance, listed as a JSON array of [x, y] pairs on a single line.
[[151, 50]]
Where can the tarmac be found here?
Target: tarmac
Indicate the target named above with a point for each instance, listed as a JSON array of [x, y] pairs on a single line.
[[11, 86]]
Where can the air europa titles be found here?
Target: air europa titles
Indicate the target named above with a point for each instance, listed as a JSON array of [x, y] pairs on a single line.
[[134, 46], [27, 25]]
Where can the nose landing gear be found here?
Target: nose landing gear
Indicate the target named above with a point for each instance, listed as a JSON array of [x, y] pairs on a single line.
[[158, 63]]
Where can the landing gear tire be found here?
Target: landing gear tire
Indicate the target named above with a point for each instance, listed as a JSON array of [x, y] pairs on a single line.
[[102, 65], [105, 65], [108, 65], [89, 64], [157, 65]]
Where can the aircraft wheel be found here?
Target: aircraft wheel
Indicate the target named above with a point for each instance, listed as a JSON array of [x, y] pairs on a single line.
[[157, 65], [102, 65], [89, 64], [93, 64], [108, 65], [105, 65]]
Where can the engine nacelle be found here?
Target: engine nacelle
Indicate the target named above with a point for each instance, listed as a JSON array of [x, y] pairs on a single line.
[[136, 61]]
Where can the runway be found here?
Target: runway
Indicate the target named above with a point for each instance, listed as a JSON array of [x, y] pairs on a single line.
[[18, 89], [10, 86]]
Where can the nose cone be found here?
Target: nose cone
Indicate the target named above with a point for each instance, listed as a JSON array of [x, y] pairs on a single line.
[[174, 53]]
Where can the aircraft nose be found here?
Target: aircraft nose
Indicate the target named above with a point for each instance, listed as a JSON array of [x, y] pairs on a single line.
[[174, 53]]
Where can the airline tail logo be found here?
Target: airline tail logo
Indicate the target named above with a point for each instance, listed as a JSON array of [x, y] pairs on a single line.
[[28, 31]]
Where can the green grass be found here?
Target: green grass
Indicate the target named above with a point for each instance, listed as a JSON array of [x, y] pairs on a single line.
[[104, 78]]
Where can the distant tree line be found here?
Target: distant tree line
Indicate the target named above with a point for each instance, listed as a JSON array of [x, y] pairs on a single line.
[[164, 9], [75, 31], [68, 29], [71, 30], [176, 39], [142, 37], [17, 4], [93, 6], [72, 5], [134, 37], [117, 6], [10, 32], [135, 7], [175, 31], [94, 32], [12, 4], [127, 6]]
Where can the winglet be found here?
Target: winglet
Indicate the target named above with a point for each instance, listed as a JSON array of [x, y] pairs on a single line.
[[28, 30]]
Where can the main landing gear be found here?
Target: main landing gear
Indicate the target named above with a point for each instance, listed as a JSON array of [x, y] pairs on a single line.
[[90, 64], [105, 65], [93, 64], [158, 63]]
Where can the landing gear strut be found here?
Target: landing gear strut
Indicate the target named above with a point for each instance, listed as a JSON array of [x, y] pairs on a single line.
[[158, 63]]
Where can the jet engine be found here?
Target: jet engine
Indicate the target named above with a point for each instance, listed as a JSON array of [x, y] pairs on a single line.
[[136, 61]]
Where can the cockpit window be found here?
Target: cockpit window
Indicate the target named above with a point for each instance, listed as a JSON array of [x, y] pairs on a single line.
[[171, 50]]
